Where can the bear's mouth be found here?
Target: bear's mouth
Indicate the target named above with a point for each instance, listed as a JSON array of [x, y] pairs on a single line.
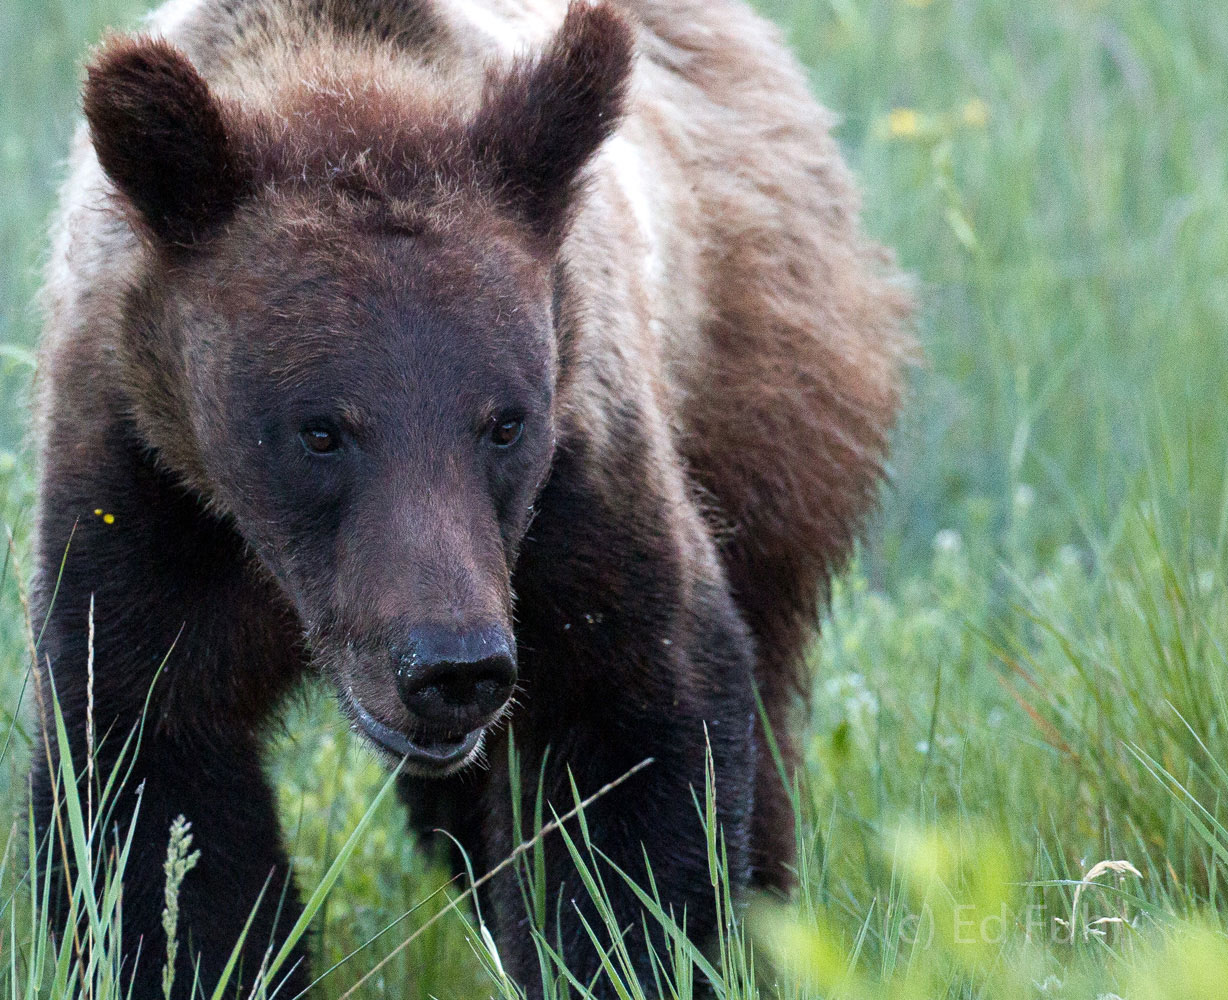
[[432, 756]]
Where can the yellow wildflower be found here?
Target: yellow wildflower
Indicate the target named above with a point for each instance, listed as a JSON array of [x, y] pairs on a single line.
[[903, 123], [976, 113]]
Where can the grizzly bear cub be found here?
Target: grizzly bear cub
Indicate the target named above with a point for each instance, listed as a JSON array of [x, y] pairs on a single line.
[[518, 367]]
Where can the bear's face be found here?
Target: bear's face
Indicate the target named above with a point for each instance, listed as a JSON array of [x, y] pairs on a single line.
[[375, 409], [347, 339]]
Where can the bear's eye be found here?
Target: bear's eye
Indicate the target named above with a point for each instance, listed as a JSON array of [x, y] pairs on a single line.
[[320, 440], [505, 433]]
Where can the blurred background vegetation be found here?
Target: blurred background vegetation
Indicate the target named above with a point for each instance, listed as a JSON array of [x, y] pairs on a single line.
[[1023, 673]]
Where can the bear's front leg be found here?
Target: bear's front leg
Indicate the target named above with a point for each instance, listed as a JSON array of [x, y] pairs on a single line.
[[170, 585], [631, 649]]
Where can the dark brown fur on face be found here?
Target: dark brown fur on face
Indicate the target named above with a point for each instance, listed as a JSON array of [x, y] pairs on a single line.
[[626, 233]]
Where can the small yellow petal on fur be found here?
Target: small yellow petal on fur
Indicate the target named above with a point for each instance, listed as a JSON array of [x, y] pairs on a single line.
[[98, 512], [108, 518]]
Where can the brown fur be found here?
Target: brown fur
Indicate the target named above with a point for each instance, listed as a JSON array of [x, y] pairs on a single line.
[[726, 357]]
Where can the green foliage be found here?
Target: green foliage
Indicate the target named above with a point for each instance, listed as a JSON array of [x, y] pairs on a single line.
[[1015, 780]]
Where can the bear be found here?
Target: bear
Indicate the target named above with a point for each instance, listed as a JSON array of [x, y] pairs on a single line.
[[519, 367]]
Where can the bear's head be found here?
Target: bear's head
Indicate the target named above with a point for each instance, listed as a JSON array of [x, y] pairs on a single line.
[[343, 338]]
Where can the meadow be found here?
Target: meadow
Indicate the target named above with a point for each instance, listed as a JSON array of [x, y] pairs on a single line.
[[1016, 778]]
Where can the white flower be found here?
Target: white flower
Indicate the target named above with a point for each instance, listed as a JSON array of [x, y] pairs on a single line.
[[948, 540], [1069, 557]]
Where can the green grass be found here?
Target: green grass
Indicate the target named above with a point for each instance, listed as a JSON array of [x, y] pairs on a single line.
[[1026, 670]]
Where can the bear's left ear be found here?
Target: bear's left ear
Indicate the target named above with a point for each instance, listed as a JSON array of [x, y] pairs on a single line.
[[161, 137], [539, 124]]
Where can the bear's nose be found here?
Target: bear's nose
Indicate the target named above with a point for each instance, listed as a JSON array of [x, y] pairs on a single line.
[[455, 680]]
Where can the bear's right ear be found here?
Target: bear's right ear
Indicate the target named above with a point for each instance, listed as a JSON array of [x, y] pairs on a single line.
[[161, 137]]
